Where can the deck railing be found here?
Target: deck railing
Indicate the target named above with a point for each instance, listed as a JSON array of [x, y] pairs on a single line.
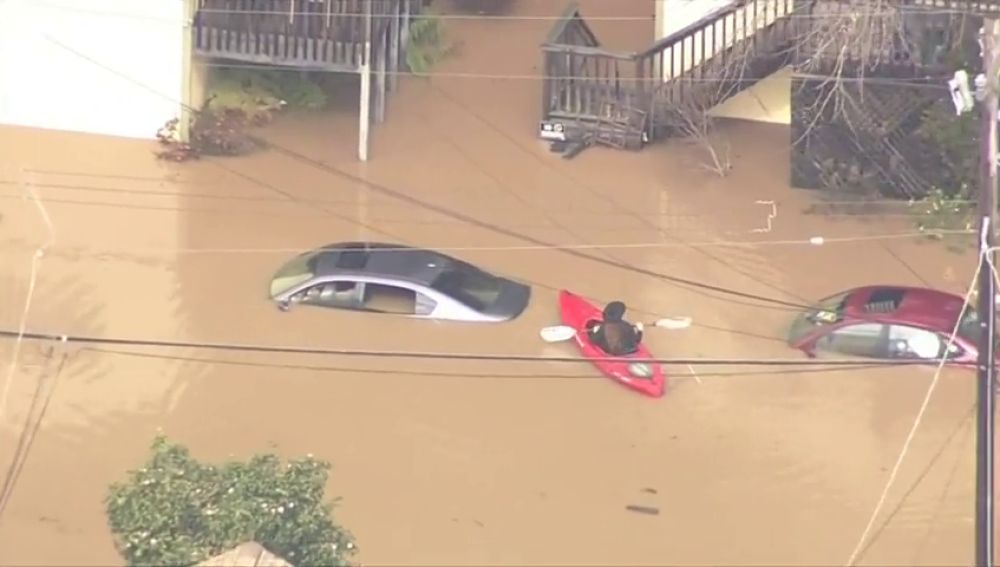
[[703, 63], [295, 33], [578, 74], [719, 55]]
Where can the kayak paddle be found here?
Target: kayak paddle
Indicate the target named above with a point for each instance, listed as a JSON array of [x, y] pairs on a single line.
[[559, 333]]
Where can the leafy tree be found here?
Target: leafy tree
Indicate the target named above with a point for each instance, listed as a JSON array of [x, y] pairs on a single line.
[[178, 511]]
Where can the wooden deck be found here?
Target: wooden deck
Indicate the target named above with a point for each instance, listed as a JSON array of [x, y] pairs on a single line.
[[697, 67], [304, 34]]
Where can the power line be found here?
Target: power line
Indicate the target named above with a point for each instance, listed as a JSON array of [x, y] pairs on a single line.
[[76, 188], [431, 355], [917, 420], [501, 17], [930, 82], [407, 198], [461, 375], [557, 247], [88, 174]]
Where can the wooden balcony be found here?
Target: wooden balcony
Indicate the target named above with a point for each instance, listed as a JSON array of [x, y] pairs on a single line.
[[700, 65], [304, 34]]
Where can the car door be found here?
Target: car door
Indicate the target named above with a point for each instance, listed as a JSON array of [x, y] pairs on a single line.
[[914, 343], [865, 340], [336, 294]]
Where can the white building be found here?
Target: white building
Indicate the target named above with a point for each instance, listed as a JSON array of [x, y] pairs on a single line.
[[112, 67], [765, 101]]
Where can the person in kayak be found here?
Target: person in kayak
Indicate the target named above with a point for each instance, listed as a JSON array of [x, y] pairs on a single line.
[[614, 334]]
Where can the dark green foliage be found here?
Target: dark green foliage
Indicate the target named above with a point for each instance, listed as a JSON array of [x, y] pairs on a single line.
[[178, 511], [251, 90], [955, 143], [428, 44]]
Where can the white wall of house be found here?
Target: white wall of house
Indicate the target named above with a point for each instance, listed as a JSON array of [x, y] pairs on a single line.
[[672, 15], [768, 100], [109, 67]]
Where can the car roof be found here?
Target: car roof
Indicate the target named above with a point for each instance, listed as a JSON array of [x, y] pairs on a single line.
[[917, 306], [376, 259]]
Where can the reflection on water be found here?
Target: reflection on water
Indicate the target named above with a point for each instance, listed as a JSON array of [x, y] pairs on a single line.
[[468, 462]]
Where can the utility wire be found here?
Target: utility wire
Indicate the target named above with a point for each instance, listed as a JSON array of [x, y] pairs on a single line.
[[930, 82], [861, 201], [508, 17], [461, 375], [141, 193], [917, 420], [405, 197], [811, 241], [431, 355]]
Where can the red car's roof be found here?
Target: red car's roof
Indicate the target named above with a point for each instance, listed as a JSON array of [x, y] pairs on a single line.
[[929, 308]]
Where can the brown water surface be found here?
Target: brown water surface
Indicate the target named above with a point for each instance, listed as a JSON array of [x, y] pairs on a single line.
[[456, 462]]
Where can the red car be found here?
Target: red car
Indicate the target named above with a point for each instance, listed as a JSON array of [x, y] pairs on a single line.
[[889, 322]]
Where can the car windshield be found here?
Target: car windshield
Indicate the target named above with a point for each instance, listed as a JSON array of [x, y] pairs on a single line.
[[968, 327], [826, 312], [469, 285], [293, 273]]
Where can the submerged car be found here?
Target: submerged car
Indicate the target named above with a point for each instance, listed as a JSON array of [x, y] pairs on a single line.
[[889, 322], [391, 278]]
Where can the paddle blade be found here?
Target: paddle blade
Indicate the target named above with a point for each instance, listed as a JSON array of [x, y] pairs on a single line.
[[674, 323], [557, 333]]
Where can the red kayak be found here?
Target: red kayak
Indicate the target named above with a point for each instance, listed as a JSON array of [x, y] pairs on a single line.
[[648, 379]]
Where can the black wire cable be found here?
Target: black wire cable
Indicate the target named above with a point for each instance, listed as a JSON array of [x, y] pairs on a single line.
[[402, 196], [460, 375], [430, 355]]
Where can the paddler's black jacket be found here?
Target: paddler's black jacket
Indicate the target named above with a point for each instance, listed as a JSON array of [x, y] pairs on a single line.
[[618, 338]]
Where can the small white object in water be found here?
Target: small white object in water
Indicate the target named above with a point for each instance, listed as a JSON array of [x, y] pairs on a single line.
[[817, 240]]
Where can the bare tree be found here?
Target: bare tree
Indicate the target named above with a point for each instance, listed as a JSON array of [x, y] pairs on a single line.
[[708, 78], [839, 41]]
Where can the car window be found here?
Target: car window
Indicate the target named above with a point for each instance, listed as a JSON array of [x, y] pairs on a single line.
[[425, 305], [330, 294], [390, 299], [860, 339], [469, 285], [912, 342]]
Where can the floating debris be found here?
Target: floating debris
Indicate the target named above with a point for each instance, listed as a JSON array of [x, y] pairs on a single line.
[[643, 510]]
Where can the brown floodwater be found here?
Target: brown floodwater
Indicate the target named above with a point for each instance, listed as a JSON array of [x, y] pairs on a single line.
[[459, 463]]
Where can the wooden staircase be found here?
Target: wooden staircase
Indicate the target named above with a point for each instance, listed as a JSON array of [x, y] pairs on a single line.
[[623, 100]]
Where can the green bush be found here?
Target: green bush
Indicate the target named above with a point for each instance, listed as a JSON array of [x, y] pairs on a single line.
[[428, 44], [955, 141], [263, 91], [178, 511]]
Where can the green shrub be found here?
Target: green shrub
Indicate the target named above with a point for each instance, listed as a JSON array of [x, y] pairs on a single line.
[[178, 511], [263, 91], [428, 44]]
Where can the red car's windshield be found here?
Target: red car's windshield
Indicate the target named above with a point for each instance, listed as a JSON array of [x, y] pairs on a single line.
[[968, 327], [826, 312]]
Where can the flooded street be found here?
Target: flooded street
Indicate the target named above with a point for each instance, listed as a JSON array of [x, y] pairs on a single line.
[[458, 462]]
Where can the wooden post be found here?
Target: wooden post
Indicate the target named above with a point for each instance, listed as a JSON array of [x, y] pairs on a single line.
[[394, 46], [187, 53], [404, 32], [380, 56], [986, 391], [364, 116]]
